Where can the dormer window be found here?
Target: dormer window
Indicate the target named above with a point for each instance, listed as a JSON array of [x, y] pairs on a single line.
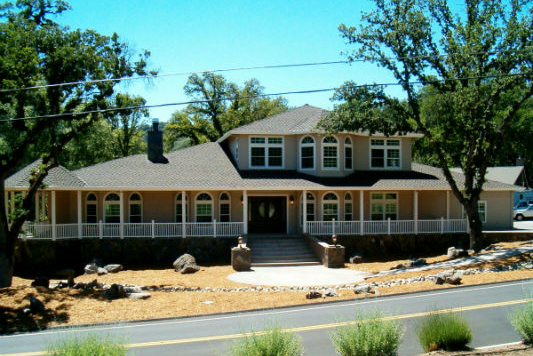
[[330, 153], [266, 152], [385, 153], [307, 153]]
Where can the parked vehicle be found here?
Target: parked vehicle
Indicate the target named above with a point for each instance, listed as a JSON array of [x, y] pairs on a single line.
[[523, 204], [523, 213]]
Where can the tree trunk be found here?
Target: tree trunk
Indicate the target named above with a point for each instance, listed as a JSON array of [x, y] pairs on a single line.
[[476, 228], [6, 266]]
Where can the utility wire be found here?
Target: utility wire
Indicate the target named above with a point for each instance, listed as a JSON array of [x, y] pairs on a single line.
[[311, 91], [274, 66]]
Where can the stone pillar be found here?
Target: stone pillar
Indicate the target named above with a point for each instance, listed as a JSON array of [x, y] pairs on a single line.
[[241, 258]]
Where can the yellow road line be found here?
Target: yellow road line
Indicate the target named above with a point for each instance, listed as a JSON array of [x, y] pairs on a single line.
[[301, 328]]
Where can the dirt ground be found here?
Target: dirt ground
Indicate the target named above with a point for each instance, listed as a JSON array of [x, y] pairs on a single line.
[[513, 350], [75, 307]]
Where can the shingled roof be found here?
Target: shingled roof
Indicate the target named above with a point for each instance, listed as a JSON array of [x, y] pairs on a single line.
[[58, 177]]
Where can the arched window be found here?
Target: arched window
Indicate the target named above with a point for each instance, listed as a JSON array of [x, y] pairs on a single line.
[[224, 211], [307, 153], [136, 208], [330, 153], [310, 208], [179, 211], [204, 208], [348, 207], [348, 154], [112, 208], [330, 207], [91, 211]]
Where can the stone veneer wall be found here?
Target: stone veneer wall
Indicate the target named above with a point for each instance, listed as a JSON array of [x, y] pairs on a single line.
[[39, 257], [386, 246]]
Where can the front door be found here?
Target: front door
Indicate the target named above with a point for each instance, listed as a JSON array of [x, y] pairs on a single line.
[[267, 215]]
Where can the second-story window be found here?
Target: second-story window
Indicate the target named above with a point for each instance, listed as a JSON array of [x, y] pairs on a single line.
[[307, 153], [385, 153], [348, 154], [266, 152], [330, 153]]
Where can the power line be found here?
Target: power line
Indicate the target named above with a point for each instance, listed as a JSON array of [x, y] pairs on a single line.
[[274, 66], [310, 91]]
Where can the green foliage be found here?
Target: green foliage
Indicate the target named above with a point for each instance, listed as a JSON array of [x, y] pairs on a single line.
[[448, 331], [370, 335], [222, 106], [90, 345], [272, 342], [522, 320]]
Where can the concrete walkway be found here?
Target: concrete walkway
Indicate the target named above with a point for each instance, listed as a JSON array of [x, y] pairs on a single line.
[[298, 276], [309, 276]]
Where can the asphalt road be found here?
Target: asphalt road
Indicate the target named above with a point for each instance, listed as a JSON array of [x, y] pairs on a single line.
[[485, 307]]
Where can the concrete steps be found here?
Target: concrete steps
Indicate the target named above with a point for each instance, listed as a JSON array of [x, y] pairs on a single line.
[[281, 250]]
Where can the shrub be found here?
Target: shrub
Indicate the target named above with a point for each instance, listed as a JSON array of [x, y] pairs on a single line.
[[89, 345], [522, 320], [370, 335], [448, 331], [272, 342]]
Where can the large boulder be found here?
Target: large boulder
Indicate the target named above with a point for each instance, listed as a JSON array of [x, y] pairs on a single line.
[[113, 268], [356, 259], [101, 271], [91, 268], [186, 264], [36, 306], [313, 295], [454, 252], [41, 282], [115, 291], [68, 274]]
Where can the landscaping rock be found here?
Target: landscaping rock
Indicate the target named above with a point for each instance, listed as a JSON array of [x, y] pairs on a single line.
[[241, 258], [133, 289], [91, 268], [455, 280], [401, 266], [36, 306], [68, 274], [313, 295], [101, 271], [116, 291], [113, 268], [418, 262], [139, 295], [41, 282], [454, 252], [330, 293], [356, 259], [91, 285], [360, 289], [439, 280], [186, 264]]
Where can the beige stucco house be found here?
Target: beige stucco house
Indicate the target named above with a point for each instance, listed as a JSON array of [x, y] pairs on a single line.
[[279, 175]]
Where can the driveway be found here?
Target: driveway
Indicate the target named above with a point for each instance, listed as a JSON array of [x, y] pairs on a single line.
[[523, 225]]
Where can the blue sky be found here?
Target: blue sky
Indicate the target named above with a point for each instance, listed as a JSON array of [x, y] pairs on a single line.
[[193, 35]]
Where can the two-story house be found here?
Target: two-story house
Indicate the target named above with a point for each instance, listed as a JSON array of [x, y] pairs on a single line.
[[279, 175]]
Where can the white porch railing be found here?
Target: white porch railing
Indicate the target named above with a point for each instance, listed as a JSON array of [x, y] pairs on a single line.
[[132, 230], [386, 227]]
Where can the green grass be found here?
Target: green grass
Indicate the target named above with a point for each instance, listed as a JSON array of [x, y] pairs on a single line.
[[370, 335], [448, 332], [522, 320], [272, 342], [88, 345]]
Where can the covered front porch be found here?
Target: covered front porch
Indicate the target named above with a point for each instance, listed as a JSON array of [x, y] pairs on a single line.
[[209, 213]]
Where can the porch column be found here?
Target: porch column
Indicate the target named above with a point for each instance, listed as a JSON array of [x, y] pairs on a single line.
[[447, 205], [304, 211], [36, 218], [361, 211], [183, 214], [54, 232], [415, 210], [245, 211], [121, 194], [80, 231]]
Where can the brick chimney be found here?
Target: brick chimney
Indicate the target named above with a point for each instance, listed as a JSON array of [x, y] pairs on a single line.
[[155, 144]]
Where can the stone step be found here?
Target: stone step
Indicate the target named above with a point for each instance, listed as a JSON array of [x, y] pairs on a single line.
[[281, 250], [267, 264]]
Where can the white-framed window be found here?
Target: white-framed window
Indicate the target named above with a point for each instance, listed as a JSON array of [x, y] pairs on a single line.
[[330, 207], [307, 153], [385, 153], [179, 208], [330, 153], [348, 207], [91, 208], [266, 152], [204, 208], [136, 208], [481, 210], [112, 208], [348, 154], [224, 207], [383, 205], [310, 216]]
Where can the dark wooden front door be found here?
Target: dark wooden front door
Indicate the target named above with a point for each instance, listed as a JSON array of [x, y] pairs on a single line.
[[267, 215]]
